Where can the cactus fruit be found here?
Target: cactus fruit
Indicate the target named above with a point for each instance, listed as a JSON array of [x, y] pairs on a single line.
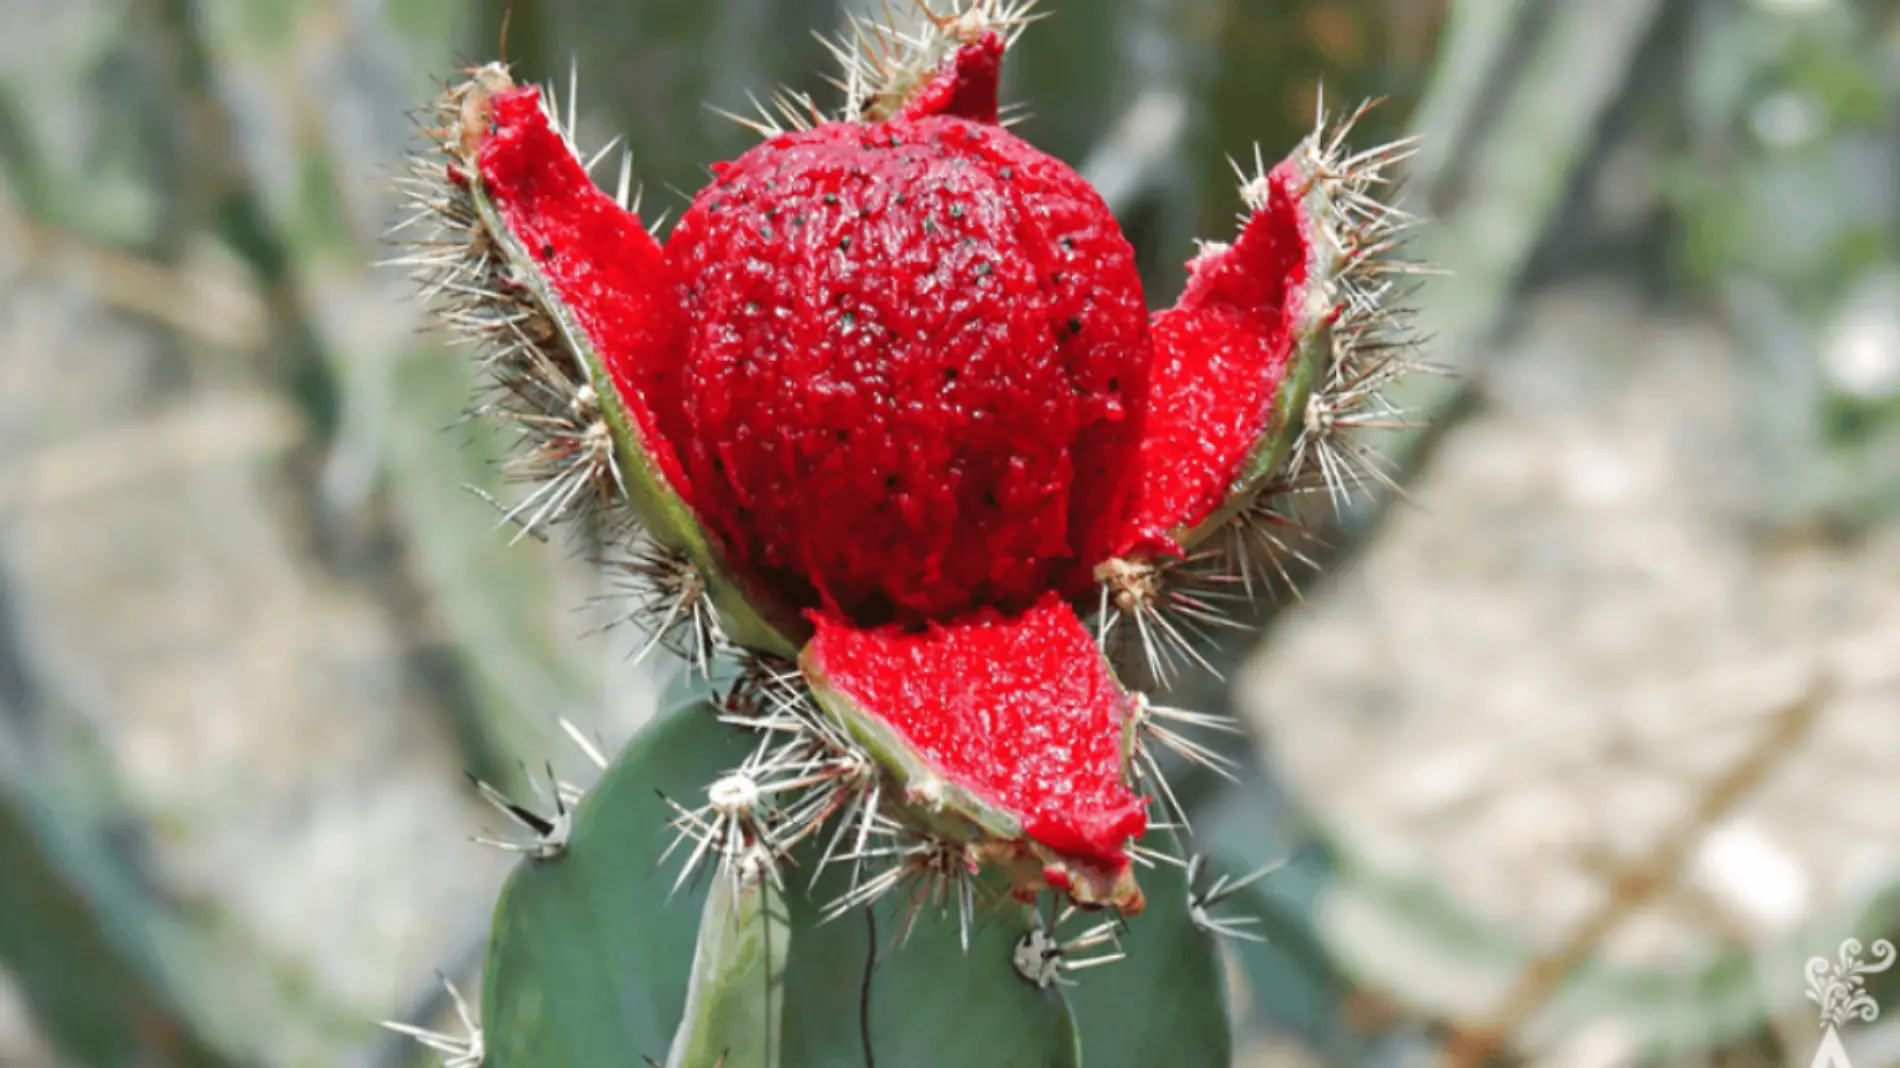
[[889, 417]]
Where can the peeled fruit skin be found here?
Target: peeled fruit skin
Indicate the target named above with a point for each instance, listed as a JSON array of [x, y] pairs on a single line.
[[611, 284], [1223, 357], [915, 368], [610, 273], [1021, 712]]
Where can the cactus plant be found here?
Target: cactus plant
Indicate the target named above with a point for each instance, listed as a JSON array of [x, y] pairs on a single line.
[[935, 511]]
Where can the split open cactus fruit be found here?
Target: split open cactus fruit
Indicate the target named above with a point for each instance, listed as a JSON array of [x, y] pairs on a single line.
[[903, 441]]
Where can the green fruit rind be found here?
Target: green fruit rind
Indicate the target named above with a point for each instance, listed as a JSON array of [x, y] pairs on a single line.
[[942, 807]]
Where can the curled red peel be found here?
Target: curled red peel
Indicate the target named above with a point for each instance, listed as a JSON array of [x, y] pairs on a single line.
[[1011, 725], [1228, 364], [967, 86], [597, 256], [605, 285]]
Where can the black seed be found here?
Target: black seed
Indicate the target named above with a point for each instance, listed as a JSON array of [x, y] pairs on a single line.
[[842, 434], [1114, 385], [844, 243], [547, 252], [956, 211], [1075, 326], [950, 374], [902, 199], [890, 482], [989, 498], [831, 198], [752, 307]]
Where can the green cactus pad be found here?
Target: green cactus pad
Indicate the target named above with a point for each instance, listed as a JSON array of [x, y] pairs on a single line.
[[931, 1005], [591, 954], [591, 958], [732, 1017], [1165, 1004]]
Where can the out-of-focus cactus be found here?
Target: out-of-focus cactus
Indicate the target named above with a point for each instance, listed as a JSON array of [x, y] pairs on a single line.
[[880, 424]]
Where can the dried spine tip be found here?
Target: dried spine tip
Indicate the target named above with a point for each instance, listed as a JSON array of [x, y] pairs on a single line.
[[885, 65], [465, 1050], [803, 772], [548, 835], [1262, 544], [730, 827], [1203, 902], [1168, 609], [1371, 351], [535, 383], [671, 604], [938, 874], [1042, 956], [1149, 722]]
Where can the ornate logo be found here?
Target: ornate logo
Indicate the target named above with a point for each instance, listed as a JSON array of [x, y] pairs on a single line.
[[1839, 987]]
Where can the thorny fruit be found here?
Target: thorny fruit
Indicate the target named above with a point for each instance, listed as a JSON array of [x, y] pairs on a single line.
[[890, 393]]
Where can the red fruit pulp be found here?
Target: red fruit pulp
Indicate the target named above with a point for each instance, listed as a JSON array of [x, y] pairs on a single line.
[[608, 272], [1020, 710], [915, 367], [1221, 354]]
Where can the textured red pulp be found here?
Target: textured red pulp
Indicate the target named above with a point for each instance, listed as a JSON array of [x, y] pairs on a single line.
[[1221, 354], [609, 273], [916, 366], [1021, 710]]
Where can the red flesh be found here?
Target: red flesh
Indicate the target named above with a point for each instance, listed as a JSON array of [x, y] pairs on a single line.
[[1220, 355], [1020, 710], [915, 369], [967, 87], [606, 269]]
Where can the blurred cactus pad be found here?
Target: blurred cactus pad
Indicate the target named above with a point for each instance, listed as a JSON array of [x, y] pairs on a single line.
[[940, 520]]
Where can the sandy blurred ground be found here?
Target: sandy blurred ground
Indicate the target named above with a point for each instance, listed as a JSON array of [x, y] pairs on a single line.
[[1541, 672]]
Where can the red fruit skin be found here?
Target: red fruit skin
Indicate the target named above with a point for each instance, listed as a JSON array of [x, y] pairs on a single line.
[[1019, 710], [915, 366], [1221, 354], [608, 272]]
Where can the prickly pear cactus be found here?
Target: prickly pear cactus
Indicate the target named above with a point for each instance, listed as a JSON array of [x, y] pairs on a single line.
[[935, 510]]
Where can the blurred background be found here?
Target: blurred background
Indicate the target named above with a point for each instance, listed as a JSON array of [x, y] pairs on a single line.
[[1580, 753]]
